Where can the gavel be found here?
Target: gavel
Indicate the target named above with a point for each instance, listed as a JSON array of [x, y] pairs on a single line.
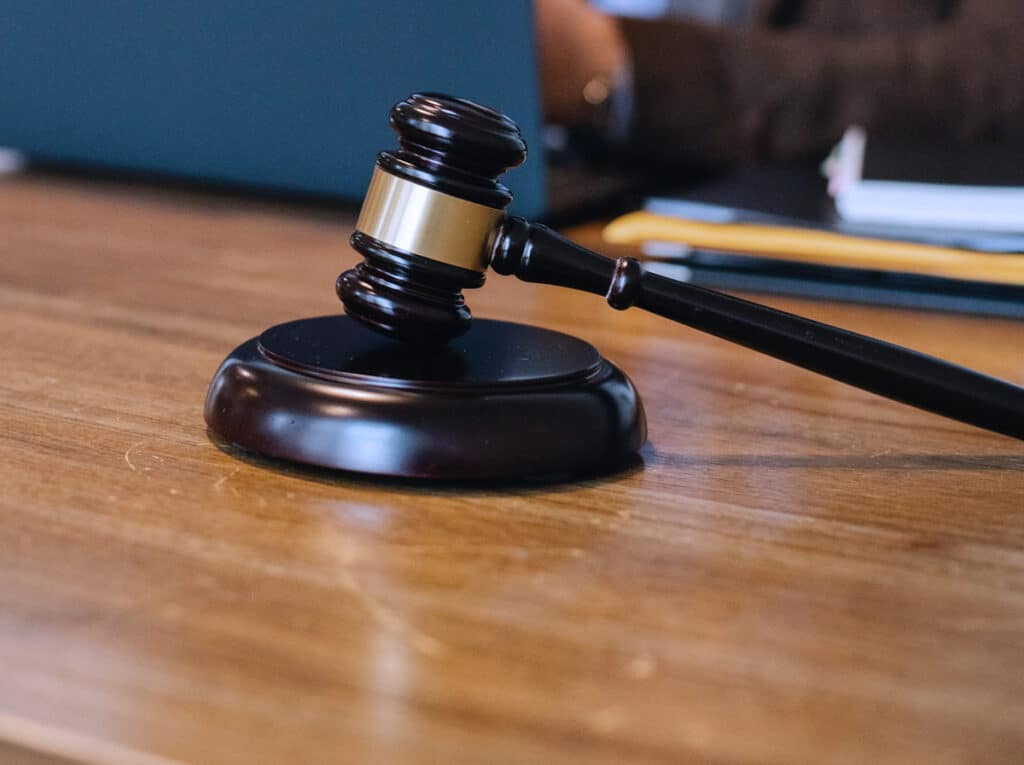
[[434, 220]]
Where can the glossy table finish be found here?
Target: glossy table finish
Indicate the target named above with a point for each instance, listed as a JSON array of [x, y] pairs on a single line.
[[793, 571]]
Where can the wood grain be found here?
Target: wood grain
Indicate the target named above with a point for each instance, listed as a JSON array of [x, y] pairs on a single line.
[[793, 572]]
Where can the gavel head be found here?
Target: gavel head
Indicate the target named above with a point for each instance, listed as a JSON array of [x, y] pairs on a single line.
[[431, 210]]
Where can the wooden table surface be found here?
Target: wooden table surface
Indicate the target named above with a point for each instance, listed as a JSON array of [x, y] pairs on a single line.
[[794, 571]]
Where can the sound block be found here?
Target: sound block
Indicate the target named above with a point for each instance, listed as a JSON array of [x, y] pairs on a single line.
[[503, 401]]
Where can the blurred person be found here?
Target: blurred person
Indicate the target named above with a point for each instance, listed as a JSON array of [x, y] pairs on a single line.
[[784, 77]]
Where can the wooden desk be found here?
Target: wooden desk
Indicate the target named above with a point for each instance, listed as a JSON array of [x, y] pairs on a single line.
[[794, 571]]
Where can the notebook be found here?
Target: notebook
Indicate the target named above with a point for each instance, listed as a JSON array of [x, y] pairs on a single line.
[[933, 187]]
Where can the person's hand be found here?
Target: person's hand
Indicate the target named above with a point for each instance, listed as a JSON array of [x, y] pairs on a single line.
[[578, 45]]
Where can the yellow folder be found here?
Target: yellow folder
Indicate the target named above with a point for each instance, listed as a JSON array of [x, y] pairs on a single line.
[[819, 247]]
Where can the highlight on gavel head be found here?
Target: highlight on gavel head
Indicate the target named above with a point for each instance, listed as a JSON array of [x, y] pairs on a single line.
[[428, 216]]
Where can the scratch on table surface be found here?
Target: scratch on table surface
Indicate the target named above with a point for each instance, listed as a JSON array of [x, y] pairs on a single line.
[[389, 620], [128, 455], [239, 558], [219, 483]]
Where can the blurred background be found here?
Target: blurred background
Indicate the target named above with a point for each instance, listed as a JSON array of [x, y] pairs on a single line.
[[625, 104]]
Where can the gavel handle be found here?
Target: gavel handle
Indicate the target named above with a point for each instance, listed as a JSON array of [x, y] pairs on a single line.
[[535, 253]]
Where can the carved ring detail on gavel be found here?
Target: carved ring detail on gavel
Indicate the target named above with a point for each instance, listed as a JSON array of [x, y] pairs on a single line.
[[434, 220]]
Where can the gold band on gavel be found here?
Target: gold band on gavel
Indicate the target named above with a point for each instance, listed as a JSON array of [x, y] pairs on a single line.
[[426, 222]]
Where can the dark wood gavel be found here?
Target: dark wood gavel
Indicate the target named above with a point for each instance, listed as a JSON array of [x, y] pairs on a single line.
[[434, 219]]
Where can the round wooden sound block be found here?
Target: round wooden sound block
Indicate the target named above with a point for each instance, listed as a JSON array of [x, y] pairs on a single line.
[[502, 401]]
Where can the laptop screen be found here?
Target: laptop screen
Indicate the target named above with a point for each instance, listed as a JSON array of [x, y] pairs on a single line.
[[279, 95]]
